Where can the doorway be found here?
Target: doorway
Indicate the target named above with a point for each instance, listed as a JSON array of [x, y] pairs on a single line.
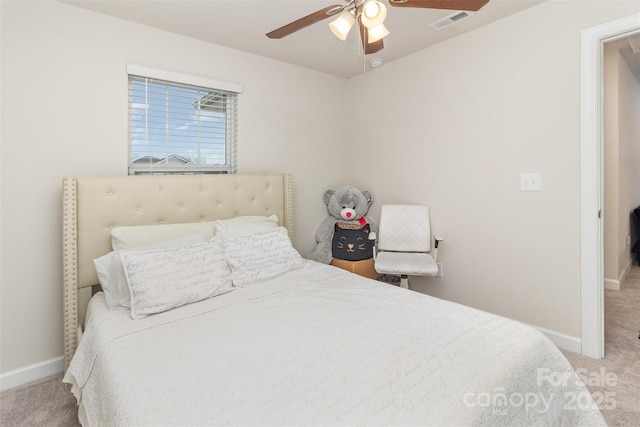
[[592, 191], [621, 173]]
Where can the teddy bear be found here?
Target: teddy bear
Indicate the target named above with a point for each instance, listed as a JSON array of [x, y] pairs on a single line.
[[346, 205]]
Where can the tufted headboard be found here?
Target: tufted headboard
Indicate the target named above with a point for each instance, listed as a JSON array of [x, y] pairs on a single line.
[[92, 206]]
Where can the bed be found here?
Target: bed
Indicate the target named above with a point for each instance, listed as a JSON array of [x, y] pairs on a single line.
[[289, 341]]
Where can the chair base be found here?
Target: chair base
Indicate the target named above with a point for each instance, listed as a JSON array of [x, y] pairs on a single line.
[[401, 281], [404, 281]]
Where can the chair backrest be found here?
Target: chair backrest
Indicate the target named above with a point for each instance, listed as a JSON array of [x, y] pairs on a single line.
[[404, 228]]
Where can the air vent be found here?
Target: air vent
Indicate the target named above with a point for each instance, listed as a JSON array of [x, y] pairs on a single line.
[[451, 19]]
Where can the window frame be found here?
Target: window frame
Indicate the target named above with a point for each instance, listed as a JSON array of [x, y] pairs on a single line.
[[231, 90]]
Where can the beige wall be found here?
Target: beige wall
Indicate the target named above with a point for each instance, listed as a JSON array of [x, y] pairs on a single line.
[[64, 112], [630, 149], [622, 162], [465, 118], [451, 126]]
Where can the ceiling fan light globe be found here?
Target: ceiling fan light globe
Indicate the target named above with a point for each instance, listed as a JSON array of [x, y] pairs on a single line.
[[373, 14], [377, 33], [342, 24]]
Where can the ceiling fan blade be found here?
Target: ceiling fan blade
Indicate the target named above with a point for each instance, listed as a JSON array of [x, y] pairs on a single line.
[[470, 5], [305, 21], [369, 47]]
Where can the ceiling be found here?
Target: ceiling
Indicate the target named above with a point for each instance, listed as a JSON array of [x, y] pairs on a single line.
[[242, 25]]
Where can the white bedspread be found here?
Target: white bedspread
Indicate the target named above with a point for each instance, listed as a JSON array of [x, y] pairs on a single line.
[[321, 346]]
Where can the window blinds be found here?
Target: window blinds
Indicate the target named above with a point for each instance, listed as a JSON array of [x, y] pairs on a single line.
[[180, 128]]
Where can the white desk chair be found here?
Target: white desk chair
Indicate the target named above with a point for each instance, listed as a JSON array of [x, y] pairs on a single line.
[[404, 243]]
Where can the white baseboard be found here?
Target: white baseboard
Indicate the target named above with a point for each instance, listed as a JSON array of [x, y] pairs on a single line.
[[626, 271], [616, 285], [611, 284], [34, 372], [562, 341]]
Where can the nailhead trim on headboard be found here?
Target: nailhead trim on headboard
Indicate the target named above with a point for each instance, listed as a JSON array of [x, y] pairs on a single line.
[[92, 206], [288, 206], [69, 268]]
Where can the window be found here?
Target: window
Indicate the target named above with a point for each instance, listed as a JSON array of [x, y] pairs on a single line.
[[180, 124]]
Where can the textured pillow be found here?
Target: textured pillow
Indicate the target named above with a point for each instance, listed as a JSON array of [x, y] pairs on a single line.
[[112, 276], [162, 279], [261, 256], [248, 219], [244, 225], [128, 237]]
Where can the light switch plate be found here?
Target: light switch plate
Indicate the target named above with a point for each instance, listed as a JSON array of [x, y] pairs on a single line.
[[530, 182]]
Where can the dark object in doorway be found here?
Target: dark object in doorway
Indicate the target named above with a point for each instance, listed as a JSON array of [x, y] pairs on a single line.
[[635, 235]]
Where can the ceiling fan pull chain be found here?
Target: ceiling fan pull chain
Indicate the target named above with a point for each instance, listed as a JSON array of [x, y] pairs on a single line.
[[361, 48]]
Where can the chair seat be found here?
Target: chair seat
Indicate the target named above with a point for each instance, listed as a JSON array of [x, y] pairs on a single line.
[[411, 264]]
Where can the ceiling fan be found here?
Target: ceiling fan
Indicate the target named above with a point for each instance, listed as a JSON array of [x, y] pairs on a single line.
[[370, 15]]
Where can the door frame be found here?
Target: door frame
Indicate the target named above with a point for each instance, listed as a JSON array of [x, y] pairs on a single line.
[[592, 178]]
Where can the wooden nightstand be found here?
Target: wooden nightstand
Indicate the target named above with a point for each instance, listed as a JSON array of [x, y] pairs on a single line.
[[363, 268]]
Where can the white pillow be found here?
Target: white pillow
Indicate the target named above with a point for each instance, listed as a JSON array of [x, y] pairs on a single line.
[[162, 279], [112, 276], [250, 219], [128, 237], [244, 225], [261, 256]]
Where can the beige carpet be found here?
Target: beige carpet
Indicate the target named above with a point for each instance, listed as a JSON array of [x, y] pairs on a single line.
[[42, 403], [616, 378]]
